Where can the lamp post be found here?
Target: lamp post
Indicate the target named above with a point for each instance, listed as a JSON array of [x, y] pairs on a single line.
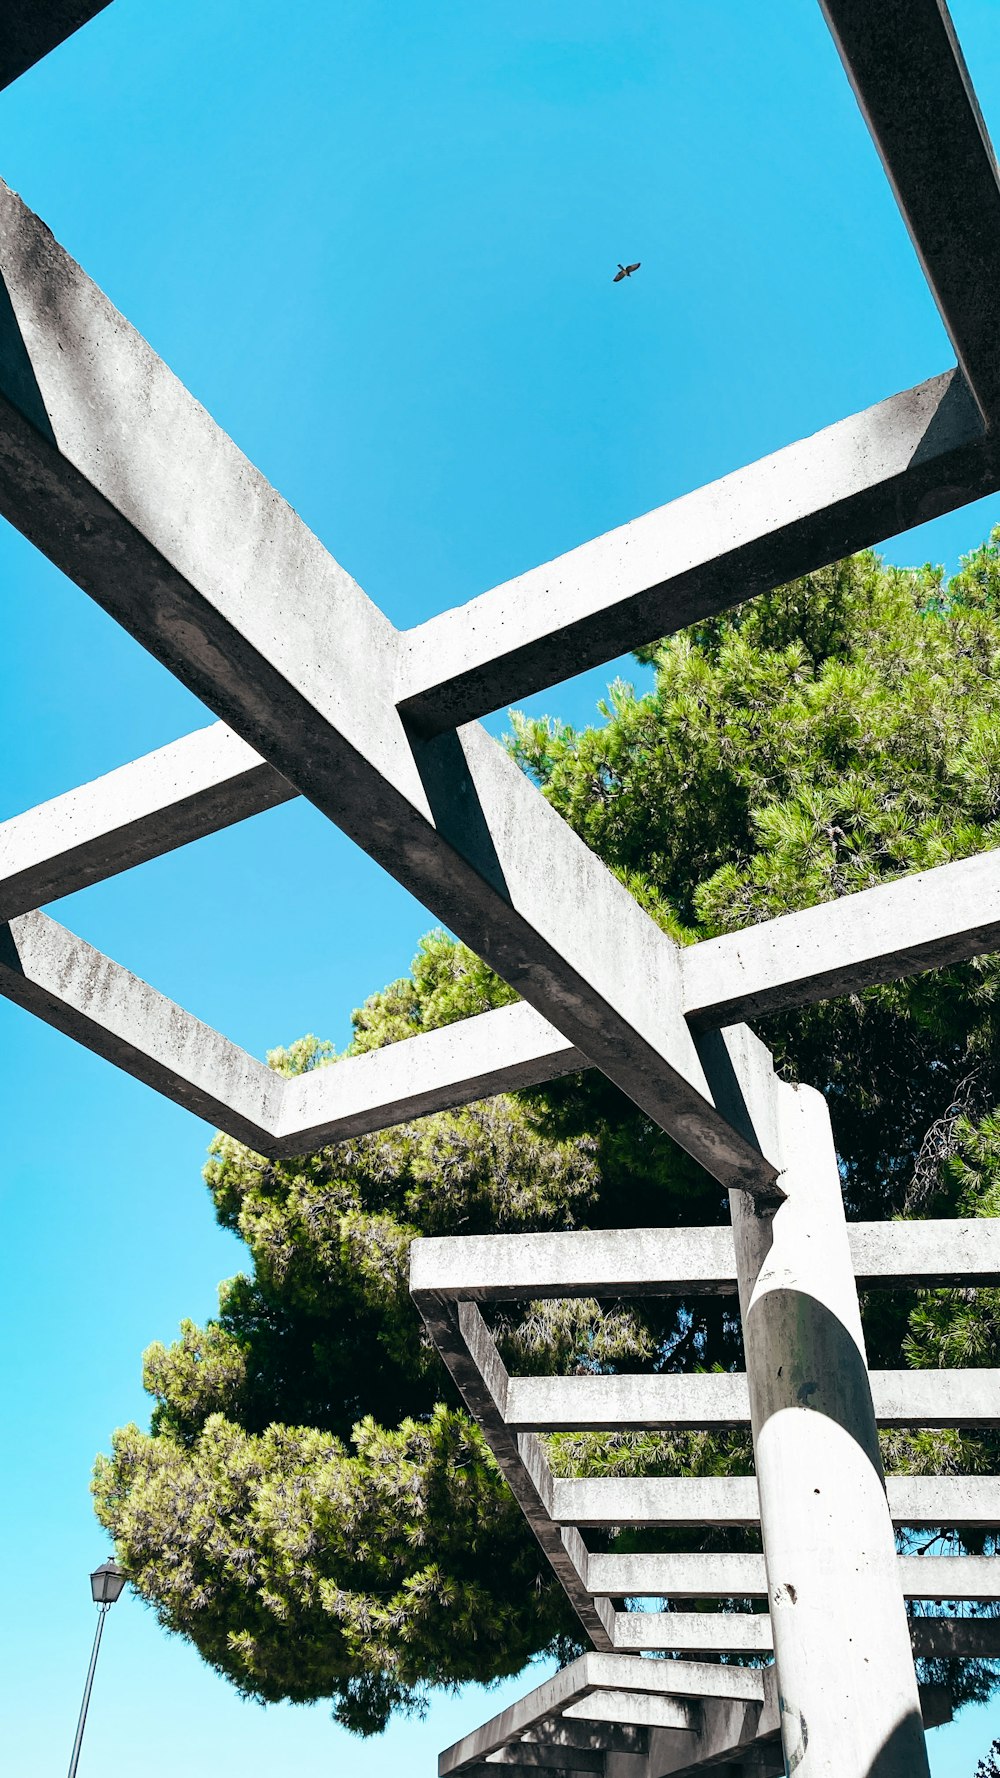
[[106, 1584]]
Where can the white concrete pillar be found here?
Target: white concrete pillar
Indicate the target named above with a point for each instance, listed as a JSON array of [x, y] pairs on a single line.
[[847, 1688]]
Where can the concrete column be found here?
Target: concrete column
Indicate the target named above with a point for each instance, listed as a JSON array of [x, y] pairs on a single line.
[[847, 1688]]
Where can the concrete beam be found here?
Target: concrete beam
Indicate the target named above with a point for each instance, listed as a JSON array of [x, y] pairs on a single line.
[[695, 1575], [693, 1632], [185, 544], [729, 1731], [635, 1709], [668, 1501], [610, 1737], [925, 921], [490, 1053], [198, 785], [910, 80], [909, 458], [72, 986], [651, 1262], [595, 1672], [715, 1401], [531, 1756], [956, 1638], [463, 1341], [31, 29]]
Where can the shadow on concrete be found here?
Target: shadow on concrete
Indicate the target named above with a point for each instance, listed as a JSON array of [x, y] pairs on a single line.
[[17, 376]]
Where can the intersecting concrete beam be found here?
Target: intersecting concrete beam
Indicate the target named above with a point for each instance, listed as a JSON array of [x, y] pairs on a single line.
[[925, 921], [116, 473], [718, 1400], [610, 1737], [669, 1501], [74, 987], [198, 785], [910, 80], [907, 459], [30, 29], [611, 1263]]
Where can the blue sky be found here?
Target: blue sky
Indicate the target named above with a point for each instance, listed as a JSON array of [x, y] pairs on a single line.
[[376, 240]]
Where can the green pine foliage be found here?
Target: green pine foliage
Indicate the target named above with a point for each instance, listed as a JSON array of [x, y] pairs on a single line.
[[312, 1506]]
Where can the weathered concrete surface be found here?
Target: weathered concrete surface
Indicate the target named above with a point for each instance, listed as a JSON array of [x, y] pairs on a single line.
[[78, 990], [30, 29], [170, 528], [464, 1342], [694, 1632], [195, 786], [489, 1053], [695, 1575], [678, 1261], [910, 80], [847, 1684], [653, 1501], [719, 1400], [637, 1709], [924, 921], [919, 454]]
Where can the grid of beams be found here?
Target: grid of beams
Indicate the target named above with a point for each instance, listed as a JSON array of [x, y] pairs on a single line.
[[113, 470]]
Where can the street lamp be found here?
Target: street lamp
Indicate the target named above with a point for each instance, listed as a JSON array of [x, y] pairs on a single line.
[[106, 1584]]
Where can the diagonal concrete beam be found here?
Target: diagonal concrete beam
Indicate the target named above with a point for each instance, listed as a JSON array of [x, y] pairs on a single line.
[[113, 469], [198, 785], [30, 29], [72, 986], [910, 458], [909, 77]]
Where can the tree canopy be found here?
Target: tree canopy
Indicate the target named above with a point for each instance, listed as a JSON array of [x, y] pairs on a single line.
[[311, 1505]]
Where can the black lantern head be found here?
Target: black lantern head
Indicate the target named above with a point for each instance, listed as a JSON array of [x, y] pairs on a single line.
[[106, 1583]]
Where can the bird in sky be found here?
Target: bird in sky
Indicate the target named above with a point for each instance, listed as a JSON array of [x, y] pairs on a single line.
[[625, 271]]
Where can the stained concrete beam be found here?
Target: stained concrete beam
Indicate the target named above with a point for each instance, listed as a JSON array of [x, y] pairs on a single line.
[[175, 534], [31, 29], [715, 1401], [670, 1501], [925, 921], [74, 987], [910, 79], [196, 786], [912, 457]]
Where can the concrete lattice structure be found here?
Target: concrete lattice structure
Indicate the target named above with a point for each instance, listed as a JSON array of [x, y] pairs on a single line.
[[112, 469]]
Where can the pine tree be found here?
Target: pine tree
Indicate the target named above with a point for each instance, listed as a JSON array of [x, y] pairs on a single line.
[[311, 1506]]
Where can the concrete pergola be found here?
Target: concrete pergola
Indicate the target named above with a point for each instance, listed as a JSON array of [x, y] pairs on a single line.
[[112, 469]]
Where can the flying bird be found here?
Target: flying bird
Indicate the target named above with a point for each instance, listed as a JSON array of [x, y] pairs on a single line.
[[625, 271]]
